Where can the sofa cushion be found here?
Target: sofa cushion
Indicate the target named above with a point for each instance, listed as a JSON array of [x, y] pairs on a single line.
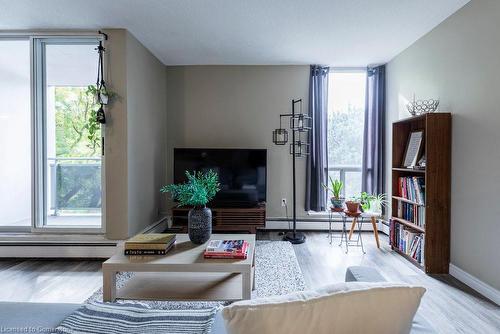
[[133, 317], [33, 317], [218, 326], [368, 274], [353, 307], [363, 274]]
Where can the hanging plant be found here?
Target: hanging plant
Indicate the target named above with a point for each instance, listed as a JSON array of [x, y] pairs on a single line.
[[101, 95], [93, 124]]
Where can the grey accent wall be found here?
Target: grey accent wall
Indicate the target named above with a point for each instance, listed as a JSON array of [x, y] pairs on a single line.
[[135, 136], [459, 62], [238, 107]]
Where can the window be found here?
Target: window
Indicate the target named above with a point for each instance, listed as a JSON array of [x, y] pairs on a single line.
[[15, 134], [49, 147], [69, 163], [346, 113]]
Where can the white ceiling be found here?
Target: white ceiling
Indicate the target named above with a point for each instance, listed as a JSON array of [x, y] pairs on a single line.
[[181, 32]]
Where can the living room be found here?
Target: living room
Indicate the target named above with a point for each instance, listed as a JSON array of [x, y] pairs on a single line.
[[342, 149]]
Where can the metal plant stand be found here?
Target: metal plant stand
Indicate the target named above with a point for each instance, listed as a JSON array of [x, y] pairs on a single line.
[[344, 234]]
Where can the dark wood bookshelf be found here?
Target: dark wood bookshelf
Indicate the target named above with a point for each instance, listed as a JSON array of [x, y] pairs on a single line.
[[408, 170], [402, 199], [437, 178], [409, 224], [409, 258]]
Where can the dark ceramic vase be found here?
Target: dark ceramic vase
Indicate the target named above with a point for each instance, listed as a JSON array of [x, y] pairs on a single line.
[[199, 224]]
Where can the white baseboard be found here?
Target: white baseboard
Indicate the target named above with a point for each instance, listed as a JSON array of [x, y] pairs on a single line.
[[31, 245], [383, 228], [483, 288]]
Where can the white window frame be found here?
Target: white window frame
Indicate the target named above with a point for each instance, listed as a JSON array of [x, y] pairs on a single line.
[[342, 169], [38, 87]]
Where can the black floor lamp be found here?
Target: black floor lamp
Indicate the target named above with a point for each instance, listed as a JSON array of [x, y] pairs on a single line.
[[300, 124]]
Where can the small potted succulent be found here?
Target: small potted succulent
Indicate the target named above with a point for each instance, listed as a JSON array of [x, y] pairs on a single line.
[[200, 188], [335, 189]]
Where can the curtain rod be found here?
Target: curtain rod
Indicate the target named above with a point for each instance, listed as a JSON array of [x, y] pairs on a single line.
[[347, 69], [25, 33]]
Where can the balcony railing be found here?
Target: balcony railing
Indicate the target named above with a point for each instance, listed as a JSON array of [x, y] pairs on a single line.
[[74, 185], [349, 175]]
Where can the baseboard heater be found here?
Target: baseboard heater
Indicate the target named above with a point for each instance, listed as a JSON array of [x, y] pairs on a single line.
[[57, 250]]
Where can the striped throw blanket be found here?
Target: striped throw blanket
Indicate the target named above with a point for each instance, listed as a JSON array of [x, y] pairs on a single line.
[[104, 318]]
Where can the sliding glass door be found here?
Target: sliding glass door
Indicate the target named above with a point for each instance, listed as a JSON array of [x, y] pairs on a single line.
[[68, 141], [15, 135]]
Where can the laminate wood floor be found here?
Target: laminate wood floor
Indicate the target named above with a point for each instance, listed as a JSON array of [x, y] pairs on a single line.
[[448, 304]]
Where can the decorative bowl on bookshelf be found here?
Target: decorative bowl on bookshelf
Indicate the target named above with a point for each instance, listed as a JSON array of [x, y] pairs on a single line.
[[420, 107]]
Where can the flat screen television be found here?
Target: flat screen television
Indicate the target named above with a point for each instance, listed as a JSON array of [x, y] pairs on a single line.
[[242, 173]]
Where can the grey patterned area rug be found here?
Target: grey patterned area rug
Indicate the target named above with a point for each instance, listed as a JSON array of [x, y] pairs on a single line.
[[277, 272]]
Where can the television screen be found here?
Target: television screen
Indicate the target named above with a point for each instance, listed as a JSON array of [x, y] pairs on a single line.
[[242, 173]]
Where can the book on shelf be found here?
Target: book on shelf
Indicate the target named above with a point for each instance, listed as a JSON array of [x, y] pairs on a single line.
[[149, 244], [412, 213], [408, 241], [226, 249], [412, 188]]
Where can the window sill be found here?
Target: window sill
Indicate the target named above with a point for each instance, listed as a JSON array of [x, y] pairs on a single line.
[[317, 213]]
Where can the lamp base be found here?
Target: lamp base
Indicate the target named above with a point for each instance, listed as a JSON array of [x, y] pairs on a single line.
[[295, 237]]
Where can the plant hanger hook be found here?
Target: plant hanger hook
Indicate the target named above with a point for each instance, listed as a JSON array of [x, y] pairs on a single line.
[[102, 92]]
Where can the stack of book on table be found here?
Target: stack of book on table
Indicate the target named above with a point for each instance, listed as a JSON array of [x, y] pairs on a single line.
[[149, 244], [227, 249]]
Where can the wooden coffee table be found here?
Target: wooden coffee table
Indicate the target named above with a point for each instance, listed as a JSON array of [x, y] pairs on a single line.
[[182, 274]]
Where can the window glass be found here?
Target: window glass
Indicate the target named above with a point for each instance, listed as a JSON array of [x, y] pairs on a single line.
[[15, 133], [346, 112], [73, 149]]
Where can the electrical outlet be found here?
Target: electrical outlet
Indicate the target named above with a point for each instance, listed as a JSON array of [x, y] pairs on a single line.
[[283, 202]]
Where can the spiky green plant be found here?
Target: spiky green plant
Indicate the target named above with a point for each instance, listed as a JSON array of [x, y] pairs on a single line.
[[378, 202], [370, 202], [199, 189], [335, 187]]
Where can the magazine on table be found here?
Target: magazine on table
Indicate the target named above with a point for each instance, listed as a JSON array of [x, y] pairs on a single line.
[[227, 249]]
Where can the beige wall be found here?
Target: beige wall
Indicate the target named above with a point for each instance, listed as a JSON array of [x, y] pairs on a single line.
[[146, 122], [134, 157], [237, 107], [459, 62], [115, 155]]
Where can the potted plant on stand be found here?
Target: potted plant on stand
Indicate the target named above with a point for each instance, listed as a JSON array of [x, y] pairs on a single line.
[[377, 203], [199, 189], [353, 206], [373, 203], [335, 188]]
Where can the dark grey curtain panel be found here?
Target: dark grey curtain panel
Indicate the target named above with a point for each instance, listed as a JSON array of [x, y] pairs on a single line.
[[317, 160], [373, 181]]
